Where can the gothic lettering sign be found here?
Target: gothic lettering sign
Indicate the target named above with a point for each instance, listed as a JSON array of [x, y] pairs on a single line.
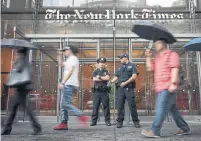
[[53, 15]]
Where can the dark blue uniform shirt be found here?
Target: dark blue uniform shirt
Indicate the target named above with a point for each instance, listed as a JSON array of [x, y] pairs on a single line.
[[125, 72], [100, 72]]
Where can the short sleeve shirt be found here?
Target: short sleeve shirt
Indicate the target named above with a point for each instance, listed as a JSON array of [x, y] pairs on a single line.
[[72, 61], [162, 69], [125, 72]]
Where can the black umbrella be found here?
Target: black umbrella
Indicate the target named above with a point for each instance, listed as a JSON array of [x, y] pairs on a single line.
[[17, 43], [152, 31]]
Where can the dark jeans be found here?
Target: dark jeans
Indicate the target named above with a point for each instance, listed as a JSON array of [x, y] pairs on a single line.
[[98, 98], [124, 94], [20, 98], [165, 102]]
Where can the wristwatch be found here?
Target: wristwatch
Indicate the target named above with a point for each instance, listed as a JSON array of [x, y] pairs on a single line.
[[174, 83], [62, 83]]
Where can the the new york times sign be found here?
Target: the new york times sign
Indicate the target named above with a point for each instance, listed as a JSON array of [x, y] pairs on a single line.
[[53, 15]]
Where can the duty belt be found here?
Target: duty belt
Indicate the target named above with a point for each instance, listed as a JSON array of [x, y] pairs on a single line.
[[100, 89], [127, 86]]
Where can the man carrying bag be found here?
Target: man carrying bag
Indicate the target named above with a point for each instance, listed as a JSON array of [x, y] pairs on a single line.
[[21, 78]]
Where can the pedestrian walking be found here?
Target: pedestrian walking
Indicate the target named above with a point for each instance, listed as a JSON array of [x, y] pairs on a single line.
[[166, 76], [69, 86], [22, 80]]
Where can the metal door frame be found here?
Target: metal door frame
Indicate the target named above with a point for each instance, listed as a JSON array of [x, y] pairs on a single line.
[[96, 38]]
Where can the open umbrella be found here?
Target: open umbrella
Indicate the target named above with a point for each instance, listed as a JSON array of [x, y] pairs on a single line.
[[152, 31], [17, 43], [193, 45]]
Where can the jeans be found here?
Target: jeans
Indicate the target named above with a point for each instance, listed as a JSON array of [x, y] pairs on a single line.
[[165, 102], [67, 103]]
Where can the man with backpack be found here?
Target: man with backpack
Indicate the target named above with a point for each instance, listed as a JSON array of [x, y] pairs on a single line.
[[166, 77]]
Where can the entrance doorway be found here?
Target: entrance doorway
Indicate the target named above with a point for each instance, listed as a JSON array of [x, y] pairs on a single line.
[[90, 48]]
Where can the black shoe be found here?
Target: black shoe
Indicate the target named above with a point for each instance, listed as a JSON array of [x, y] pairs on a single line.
[[108, 123], [6, 131], [137, 124], [37, 130], [119, 124], [93, 124]]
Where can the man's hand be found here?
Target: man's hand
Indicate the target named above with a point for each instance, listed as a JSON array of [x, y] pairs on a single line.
[[172, 88], [97, 76], [59, 54], [148, 53], [60, 86], [123, 84]]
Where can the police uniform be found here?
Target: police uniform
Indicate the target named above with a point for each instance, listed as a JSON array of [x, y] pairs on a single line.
[[100, 95], [124, 73]]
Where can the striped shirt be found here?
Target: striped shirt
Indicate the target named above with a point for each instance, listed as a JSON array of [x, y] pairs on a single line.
[[162, 69]]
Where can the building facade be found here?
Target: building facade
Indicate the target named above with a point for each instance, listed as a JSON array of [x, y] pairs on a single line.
[[99, 28]]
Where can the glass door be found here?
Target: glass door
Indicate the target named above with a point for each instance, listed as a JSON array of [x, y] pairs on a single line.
[[144, 82]]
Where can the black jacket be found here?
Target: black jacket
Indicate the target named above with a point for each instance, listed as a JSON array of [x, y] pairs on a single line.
[[21, 64]]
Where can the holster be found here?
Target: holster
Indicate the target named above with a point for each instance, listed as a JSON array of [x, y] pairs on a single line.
[[100, 89]]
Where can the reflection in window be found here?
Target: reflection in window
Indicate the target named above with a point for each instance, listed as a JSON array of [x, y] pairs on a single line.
[[167, 3], [59, 3], [77, 3], [119, 3]]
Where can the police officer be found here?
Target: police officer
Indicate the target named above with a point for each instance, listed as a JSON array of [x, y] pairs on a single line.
[[100, 90], [125, 76]]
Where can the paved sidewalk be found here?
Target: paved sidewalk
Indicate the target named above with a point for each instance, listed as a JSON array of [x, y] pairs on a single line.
[[22, 132]]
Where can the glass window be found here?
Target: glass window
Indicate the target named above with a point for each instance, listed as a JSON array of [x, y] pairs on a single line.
[[59, 3], [77, 3], [150, 3], [106, 47], [169, 3]]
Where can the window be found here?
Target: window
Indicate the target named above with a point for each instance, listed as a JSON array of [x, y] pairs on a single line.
[[75, 3]]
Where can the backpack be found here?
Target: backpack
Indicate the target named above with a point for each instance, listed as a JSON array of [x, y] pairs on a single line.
[[181, 75]]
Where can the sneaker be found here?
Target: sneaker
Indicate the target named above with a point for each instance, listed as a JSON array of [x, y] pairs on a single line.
[[37, 130], [137, 124], [6, 131], [119, 124], [149, 134], [182, 132], [108, 123], [84, 121], [61, 126], [93, 123]]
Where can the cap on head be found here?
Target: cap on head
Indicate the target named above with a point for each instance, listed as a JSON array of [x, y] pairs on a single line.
[[72, 48], [101, 60], [123, 55]]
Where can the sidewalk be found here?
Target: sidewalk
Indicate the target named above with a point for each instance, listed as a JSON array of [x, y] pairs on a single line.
[[22, 132]]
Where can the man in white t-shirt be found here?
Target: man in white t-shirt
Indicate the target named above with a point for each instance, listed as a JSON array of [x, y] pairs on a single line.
[[68, 86]]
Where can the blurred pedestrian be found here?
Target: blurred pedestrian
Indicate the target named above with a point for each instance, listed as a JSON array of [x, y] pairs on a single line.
[[69, 86], [23, 69], [166, 77]]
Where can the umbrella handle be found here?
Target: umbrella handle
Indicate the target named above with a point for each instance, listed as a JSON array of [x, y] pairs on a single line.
[[150, 45]]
